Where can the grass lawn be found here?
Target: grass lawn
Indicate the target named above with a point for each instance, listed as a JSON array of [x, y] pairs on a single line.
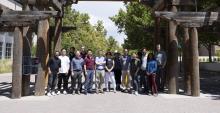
[[6, 66]]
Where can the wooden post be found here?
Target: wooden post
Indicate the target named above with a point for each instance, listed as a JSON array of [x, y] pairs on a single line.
[[157, 32], [17, 64], [194, 64], [186, 60], [172, 56], [27, 40], [57, 35], [43, 55]]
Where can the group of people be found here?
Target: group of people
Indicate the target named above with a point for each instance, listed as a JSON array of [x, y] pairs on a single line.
[[141, 72]]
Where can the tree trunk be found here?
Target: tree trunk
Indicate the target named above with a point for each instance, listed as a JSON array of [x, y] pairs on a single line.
[[157, 32], [58, 32], [43, 55], [194, 64], [172, 56], [186, 59], [17, 64]]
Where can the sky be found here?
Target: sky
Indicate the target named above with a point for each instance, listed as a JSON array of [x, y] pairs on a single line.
[[102, 11]]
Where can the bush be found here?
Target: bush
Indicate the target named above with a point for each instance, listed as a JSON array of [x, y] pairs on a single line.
[[6, 66]]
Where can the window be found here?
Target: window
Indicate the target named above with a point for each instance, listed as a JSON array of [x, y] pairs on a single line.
[[8, 50], [1, 48]]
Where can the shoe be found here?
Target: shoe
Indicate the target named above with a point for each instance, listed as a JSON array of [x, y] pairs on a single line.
[[73, 93], [78, 92], [136, 93], [58, 92], [64, 92], [107, 90], [155, 95], [114, 91], [53, 93], [49, 94], [97, 91], [102, 91]]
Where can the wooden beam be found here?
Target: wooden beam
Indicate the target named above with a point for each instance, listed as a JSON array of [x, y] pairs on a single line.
[[17, 64], [43, 55]]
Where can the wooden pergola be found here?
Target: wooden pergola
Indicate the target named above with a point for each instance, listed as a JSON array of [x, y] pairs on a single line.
[[35, 18]]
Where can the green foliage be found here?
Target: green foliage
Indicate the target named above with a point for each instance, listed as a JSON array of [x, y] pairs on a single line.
[[92, 37], [208, 5], [135, 23]]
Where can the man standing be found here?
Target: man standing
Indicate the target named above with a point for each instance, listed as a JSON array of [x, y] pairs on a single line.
[[89, 68], [100, 72], [161, 61], [77, 64], [143, 78], [117, 70], [63, 76], [71, 56], [126, 78], [54, 65]]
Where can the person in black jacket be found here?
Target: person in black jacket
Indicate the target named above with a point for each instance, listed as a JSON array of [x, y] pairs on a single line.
[[54, 65]]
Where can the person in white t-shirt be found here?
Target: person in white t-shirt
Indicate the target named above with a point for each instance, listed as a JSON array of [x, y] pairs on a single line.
[[63, 76]]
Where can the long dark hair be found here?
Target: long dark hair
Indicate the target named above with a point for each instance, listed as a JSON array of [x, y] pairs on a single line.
[[152, 57]]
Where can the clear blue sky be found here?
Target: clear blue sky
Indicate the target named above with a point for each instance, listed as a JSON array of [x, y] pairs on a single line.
[[102, 11]]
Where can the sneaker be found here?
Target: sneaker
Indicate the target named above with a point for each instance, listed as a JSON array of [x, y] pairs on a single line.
[[49, 94], [155, 95], [114, 91], [58, 92], [136, 93], [64, 92], [97, 91], [53, 93], [107, 90], [73, 93], [102, 91], [78, 92]]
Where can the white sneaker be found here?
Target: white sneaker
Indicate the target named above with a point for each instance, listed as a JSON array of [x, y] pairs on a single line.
[[64, 92], [53, 93], [114, 91], [136, 93], [49, 94], [58, 92]]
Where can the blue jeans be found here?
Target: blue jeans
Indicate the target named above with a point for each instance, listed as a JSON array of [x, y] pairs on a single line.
[[89, 80]]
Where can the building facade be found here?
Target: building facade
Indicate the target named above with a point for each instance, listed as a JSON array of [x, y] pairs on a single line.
[[6, 38]]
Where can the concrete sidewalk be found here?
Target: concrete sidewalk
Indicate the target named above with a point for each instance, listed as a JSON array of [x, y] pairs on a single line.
[[109, 103]]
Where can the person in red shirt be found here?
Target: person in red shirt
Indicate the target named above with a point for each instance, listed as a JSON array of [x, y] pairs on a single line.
[[89, 68]]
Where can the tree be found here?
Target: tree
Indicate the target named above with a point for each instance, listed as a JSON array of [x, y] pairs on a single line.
[[112, 44], [92, 37], [136, 22]]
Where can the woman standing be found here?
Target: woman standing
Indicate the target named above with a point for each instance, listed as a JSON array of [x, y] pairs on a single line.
[[109, 74], [151, 73]]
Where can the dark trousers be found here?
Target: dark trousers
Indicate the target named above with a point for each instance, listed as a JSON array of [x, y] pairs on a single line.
[[135, 81], [118, 73], [52, 82], [152, 82], [76, 80], [160, 78], [63, 79], [144, 82]]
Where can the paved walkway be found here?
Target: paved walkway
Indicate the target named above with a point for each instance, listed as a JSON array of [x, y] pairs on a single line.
[[108, 103]]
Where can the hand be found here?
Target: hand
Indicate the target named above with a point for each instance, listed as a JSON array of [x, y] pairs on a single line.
[[49, 72], [148, 74]]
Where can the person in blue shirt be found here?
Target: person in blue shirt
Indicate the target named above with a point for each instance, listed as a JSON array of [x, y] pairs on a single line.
[[77, 64], [151, 70]]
